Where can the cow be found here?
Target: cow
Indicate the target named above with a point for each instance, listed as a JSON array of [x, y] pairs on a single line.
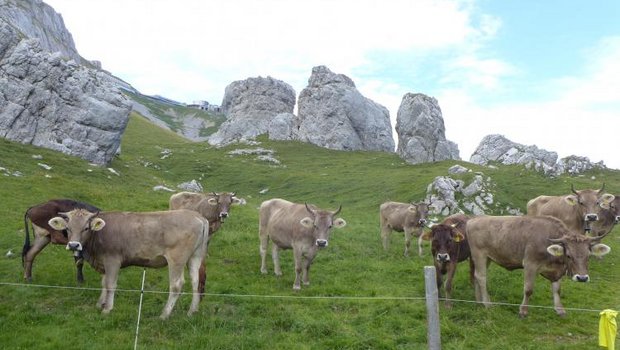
[[578, 210], [214, 207], [449, 247], [407, 217], [537, 244], [608, 218], [110, 241], [301, 227], [43, 234]]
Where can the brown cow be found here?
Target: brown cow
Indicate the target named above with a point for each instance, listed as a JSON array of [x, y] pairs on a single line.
[[39, 215], [300, 227], [449, 247], [113, 240], [214, 207], [608, 218], [537, 244], [407, 217], [578, 210]]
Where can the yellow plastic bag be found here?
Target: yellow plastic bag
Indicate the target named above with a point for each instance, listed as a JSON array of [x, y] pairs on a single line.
[[607, 328]]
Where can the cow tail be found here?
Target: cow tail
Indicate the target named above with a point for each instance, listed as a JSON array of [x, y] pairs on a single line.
[[27, 240], [202, 273]]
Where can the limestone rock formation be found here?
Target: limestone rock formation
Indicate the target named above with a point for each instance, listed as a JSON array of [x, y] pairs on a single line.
[[251, 106], [50, 102], [497, 148], [421, 131], [334, 114]]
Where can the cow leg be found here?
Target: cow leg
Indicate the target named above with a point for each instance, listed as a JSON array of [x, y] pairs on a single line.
[[385, 236], [264, 241], [297, 255], [529, 277], [104, 293], [449, 278], [79, 267], [306, 268], [175, 274], [557, 304], [408, 234], [480, 277], [420, 239], [194, 265], [41, 239], [275, 255], [109, 285]]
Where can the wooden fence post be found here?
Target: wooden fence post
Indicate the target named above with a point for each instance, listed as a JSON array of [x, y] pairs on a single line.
[[432, 308]]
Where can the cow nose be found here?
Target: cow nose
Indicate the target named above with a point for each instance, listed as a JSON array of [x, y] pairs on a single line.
[[591, 217], [422, 221], [618, 219], [321, 243], [443, 257], [74, 246], [581, 278], [223, 215]]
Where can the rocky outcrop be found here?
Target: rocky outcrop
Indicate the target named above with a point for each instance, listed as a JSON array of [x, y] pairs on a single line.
[[497, 148], [334, 114], [50, 102], [36, 19], [251, 106], [421, 131]]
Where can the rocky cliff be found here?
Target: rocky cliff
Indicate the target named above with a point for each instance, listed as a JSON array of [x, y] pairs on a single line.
[[497, 148], [49, 101], [421, 131], [334, 114]]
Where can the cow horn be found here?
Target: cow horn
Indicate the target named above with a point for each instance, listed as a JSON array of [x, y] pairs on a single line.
[[602, 189], [572, 188], [63, 215], [557, 240], [338, 211], [308, 208], [232, 194]]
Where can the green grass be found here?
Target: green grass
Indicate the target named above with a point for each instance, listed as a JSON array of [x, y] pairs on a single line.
[[240, 312]]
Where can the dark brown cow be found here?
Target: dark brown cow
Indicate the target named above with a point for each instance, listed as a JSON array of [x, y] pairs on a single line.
[[578, 210], [300, 227], [608, 219], [403, 217], [214, 207], [39, 215], [113, 240], [449, 247], [537, 244]]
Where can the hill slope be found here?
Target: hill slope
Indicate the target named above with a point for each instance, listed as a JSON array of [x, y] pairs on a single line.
[[360, 296]]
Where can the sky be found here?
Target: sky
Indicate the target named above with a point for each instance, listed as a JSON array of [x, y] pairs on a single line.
[[544, 73]]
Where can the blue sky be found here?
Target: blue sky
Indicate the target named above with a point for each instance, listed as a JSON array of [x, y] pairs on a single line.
[[538, 72]]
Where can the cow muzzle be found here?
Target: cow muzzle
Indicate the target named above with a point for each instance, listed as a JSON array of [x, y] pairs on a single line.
[[321, 243], [422, 222], [618, 219], [74, 246], [581, 278], [443, 257], [591, 217], [223, 215]]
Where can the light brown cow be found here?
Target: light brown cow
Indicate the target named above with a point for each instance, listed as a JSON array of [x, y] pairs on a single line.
[[403, 217], [578, 210], [110, 241], [213, 206], [608, 218], [300, 227], [537, 244]]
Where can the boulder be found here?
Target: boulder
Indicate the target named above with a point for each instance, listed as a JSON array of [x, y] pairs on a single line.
[[251, 106], [334, 114], [53, 103], [421, 131]]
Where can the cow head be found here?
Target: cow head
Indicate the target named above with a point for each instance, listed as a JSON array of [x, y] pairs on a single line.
[[79, 223], [321, 223], [589, 203], [420, 213], [576, 250], [222, 202], [444, 241]]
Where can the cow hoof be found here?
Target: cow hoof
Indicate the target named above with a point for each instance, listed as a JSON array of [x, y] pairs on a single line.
[[264, 271], [278, 274], [105, 311], [306, 283], [296, 288]]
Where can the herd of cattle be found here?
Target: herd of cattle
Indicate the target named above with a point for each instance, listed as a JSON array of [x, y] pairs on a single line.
[[555, 238]]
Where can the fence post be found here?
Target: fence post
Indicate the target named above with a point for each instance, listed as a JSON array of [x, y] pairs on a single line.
[[432, 308]]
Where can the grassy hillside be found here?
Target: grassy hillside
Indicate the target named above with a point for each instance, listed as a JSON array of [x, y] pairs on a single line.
[[360, 297]]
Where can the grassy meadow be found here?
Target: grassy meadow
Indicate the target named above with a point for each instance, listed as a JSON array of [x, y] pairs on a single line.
[[360, 297]]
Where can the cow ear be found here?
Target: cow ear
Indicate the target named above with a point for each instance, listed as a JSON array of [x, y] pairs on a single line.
[[426, 235], [58, 223], [97, 224], [555, 250], [412, 208], [458, 237], [600, 249], [238, 201], [307, 222], [571, 200], [606, 199], [212, 201], [340, 223]]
